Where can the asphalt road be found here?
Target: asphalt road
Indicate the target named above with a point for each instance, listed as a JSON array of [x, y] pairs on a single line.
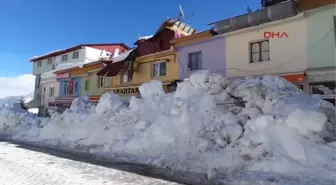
[[24, 166]]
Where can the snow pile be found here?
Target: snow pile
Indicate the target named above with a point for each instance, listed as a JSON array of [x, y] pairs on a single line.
[[253, 130], [12, 116]]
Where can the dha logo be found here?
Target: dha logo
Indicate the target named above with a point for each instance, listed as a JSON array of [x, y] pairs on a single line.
[[272, 35]]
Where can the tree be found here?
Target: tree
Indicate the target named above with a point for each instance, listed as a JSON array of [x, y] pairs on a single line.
[[22, 103]]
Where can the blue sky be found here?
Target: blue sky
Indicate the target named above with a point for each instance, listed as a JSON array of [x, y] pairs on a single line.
[[34, 27]]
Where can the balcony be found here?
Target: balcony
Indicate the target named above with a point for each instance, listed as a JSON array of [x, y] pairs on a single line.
[[268, 14]]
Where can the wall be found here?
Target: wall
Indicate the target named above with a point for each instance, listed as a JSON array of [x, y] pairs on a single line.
[[286, 54], [93, 54], [161, 42], [321, 37], [66, 81], [143, 72], [57, 60], [213, 55], [45, 96], [310, 4], [89, 73]]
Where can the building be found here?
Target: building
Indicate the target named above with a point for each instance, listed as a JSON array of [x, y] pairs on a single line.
[[268, 41], [152, 58], [204, 50], [43, 67], [81, 79], [320, 24]]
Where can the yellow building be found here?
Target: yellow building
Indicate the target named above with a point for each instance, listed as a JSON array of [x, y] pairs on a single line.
[[153, 58]]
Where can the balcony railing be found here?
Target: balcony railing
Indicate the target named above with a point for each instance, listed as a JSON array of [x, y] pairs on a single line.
[[268, 14]]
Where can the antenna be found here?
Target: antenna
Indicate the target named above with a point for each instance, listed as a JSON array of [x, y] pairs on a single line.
[[248, 9], [181, 13]]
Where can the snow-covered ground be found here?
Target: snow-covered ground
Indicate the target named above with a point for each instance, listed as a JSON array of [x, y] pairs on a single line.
[[20, 166], [258, 130]]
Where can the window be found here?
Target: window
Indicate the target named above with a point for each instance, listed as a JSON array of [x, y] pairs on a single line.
[[64, 58], [39, 64], [335, 29], [75, 54], [195, 61], [76, 88], [51, 91], [159, 69], [100, 81], [49, 61], [127, 77], [259, 51], [86, 85], [38, 81], [66, 89]]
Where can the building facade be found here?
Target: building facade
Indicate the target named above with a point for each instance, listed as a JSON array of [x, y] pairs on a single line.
[[272, 41], [321, 40], [202, 50], [153, 58], [50, 62]]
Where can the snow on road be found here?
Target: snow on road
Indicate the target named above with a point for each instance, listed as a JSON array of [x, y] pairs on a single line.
[[27, 167]]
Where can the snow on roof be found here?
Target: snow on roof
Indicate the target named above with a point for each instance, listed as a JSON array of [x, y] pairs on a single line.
[[145, 37], [122, 56]]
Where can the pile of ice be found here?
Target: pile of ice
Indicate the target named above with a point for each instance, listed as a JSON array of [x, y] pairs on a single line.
[[253, 131]]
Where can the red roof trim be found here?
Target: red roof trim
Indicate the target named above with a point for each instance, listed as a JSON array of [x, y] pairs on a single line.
[[74, 48]]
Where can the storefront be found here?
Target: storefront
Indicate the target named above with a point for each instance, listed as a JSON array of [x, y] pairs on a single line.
[[322, 82], [297, 79]]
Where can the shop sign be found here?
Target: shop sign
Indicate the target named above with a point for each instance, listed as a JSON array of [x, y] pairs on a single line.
[[272, 35], [131, 90], [62, 75]]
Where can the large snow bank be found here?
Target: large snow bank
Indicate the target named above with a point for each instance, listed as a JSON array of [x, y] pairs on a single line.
[[253, 131]]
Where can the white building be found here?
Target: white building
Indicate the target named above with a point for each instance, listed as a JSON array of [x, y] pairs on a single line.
[[272, 40], [46, 86]]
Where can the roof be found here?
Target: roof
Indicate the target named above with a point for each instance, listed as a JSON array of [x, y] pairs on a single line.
[[73, 48], [122, 56], [193, 36], [170, 23]]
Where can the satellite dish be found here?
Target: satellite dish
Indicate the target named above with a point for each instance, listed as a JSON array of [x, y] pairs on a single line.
[[181, 13]]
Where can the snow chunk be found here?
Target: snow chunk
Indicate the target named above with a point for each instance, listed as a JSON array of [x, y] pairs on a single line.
[[306, 121], [199, 78], [152, 88], [108, 102]]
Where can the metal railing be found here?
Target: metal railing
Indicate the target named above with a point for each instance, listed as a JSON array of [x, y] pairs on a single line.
[[268, 14]]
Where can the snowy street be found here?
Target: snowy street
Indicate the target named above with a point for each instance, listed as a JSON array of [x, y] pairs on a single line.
[[27, 167]]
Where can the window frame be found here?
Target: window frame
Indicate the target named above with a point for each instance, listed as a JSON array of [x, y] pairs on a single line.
[[66, 89], [334, 17], [129, 77], [198, 60], [75, 55], [86, 85], [159, 64], [76, 87], [260, 59], [49, 61], [39, 64], [64, 57], [100, 81]]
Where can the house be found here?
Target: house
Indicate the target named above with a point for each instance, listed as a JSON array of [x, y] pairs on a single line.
[[267, 41], [46, 84], [203, 50], [321, 70], [152, 58]]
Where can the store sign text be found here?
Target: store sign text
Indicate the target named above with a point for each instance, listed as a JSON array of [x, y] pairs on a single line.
[[272, 35], [132, 90]]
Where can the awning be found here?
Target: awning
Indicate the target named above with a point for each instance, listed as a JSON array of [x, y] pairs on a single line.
[[321, 74], [118, 63], [299, 77]]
